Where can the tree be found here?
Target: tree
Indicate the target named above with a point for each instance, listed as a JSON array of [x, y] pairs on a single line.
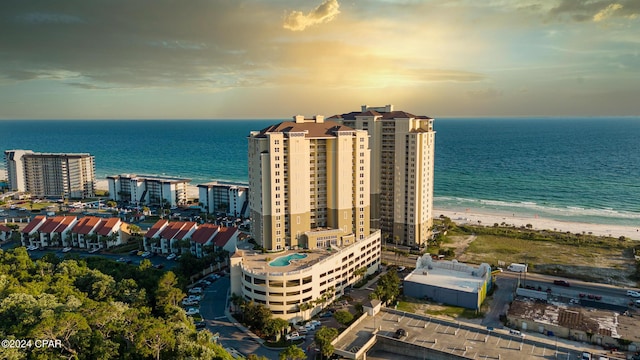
[[292, 353], [256, 357], [155, 337], [145, 264], [343, 317], [168, 295], [324, 337], [360, 272]]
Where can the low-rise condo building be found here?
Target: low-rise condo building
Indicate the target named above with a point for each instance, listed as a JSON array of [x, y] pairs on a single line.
[[180, 237], [148, 189], [51, 175], [87, 232], [226, 198], [309, 204]]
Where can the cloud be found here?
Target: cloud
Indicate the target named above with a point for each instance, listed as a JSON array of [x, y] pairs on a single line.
[[606, 12], [597, 10], [488, 93], [325, 12]]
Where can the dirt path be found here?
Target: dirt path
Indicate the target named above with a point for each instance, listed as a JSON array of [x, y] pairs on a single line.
[[460, 244]]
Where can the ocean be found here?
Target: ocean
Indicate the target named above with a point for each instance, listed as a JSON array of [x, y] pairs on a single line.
[[573, 169]]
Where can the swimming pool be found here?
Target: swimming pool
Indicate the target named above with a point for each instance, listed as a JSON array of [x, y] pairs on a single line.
[[286, 260]]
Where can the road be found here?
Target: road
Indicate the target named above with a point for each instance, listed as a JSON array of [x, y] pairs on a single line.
[[212, 310], [610, 294]]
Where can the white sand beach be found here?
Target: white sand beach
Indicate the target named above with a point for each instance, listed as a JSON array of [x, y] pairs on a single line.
[[538, 223]]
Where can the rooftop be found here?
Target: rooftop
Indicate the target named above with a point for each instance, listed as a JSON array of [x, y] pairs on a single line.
[[449, 274], [159, 178], [596, 321], [311, 129]]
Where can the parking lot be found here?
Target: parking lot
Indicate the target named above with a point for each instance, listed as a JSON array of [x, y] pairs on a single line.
[[465, 340]]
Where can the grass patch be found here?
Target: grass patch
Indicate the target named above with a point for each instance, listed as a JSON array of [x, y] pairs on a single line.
[[491, 248]]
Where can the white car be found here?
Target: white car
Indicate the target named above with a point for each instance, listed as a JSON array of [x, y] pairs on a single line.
[[171, 256], [67, 249], [32, 247], [189, 302], [294, 336], [195, 290], [193, 311], [633, 293]]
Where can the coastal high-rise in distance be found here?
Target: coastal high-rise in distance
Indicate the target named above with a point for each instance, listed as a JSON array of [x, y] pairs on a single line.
[[402, 168], [307, 175], [51, 175]]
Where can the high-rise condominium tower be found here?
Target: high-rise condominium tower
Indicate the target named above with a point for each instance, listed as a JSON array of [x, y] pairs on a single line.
[[51, 175], [403, 147], [309, 181]]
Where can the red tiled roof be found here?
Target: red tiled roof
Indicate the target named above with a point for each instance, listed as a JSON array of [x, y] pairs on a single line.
[[65, 223], [171, 230], [385, 115], [313, 129], [34, 224], [159, 225], [4, 228], [204, 233], [85, 225], [50, 224], [107, 226], [223, 236], [188, 226]]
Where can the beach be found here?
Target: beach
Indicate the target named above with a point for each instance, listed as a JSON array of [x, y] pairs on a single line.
[[473, 216]]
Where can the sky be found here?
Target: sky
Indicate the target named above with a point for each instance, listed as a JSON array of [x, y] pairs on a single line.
[[228, 59]]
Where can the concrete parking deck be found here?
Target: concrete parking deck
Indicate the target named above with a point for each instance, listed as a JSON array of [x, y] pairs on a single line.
[[435, 338]]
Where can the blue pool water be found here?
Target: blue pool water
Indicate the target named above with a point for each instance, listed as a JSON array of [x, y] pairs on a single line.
[[286, 260]]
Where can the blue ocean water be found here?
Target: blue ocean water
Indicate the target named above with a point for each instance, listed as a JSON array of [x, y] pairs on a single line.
[[576, 169]]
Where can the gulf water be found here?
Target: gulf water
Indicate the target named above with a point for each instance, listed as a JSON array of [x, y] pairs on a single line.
[[575, 169]]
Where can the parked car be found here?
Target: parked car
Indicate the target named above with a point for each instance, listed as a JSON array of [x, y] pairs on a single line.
[[193, 311], [315, 323], [67, 249], [400, 333], [200, 324], [121, 260], [633, 293], [195, 290], [294, 336], [158, 266], [171, 256], [401, 268], [133, 252], [95, 250], [326, 314]]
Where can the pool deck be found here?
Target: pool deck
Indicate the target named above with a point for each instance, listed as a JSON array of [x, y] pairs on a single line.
[[259, 262]]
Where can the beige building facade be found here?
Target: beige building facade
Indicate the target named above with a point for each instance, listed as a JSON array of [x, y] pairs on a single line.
[[309, 202], [309, 181], [402, 171]]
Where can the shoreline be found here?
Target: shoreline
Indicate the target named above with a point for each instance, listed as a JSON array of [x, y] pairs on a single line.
[[538, 223], [488, 218]]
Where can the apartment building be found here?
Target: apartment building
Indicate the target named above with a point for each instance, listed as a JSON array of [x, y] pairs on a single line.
[[51, 175], [148, 189], [179, 237], [309, 204], [88, 232], [228, 198], [402, 168]]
